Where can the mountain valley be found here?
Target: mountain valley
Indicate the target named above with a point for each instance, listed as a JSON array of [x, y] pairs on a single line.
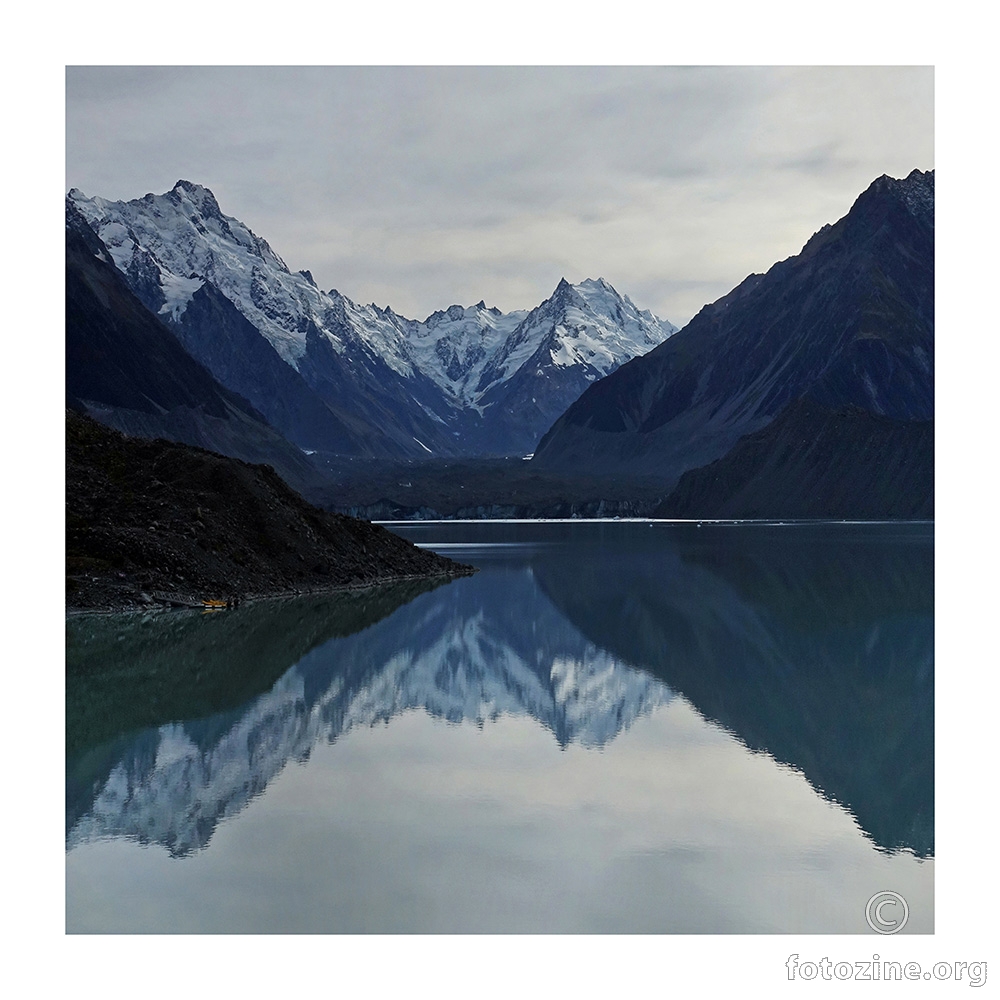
[[805, 392]]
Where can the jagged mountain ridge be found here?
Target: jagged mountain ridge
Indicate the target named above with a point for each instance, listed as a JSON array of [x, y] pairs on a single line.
[[847, 324], [464, 381]]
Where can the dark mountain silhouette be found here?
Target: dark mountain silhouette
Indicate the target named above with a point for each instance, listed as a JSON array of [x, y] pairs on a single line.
[[809, 464], [828, 358]]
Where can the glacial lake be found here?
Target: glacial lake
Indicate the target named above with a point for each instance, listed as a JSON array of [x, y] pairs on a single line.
[[613, 727]]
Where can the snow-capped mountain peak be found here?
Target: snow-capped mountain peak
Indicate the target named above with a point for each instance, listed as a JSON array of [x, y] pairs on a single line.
[[198, 196], [453, 365], [588, 325], [181, 239]]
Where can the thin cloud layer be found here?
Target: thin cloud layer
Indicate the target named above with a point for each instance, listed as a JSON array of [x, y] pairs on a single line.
[[419, 187]]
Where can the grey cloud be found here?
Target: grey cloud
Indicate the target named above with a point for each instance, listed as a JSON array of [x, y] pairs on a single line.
[[419, 186]]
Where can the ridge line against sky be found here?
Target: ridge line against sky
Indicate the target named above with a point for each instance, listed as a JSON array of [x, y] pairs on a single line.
[[422, 187]]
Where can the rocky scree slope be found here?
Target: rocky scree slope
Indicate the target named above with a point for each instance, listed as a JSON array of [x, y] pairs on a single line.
[[152, 522]]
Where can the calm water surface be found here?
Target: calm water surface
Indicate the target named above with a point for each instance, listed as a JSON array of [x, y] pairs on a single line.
[[612, 727]]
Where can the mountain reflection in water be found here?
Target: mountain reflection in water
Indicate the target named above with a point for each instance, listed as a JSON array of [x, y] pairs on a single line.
[[812, 643], [460, 654]]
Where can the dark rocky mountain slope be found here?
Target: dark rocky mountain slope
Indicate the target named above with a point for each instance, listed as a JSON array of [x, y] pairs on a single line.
[[152, 522], [809, 464], [837, 341]]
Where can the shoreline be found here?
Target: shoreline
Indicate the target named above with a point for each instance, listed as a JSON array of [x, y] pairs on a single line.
[[162, 601]]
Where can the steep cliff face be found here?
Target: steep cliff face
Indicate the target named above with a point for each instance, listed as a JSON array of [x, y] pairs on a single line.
[[848, 324]]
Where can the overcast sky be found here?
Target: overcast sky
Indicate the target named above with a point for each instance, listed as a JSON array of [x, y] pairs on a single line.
[[421, 187]]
